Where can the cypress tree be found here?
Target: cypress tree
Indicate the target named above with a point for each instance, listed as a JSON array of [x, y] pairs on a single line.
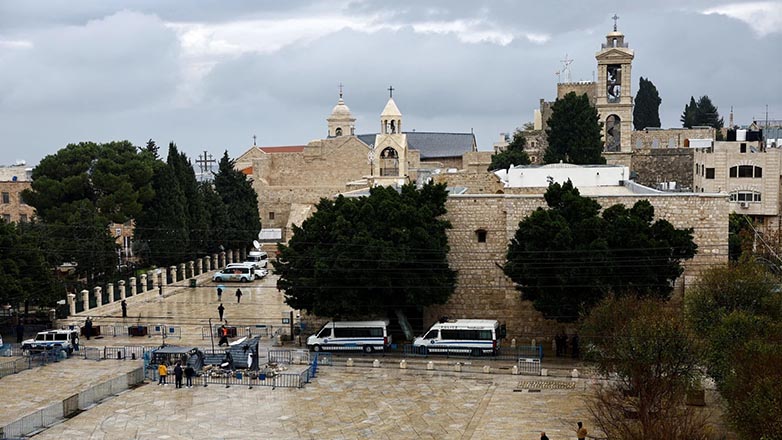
[[647, 106], [242, 219], [574, 132]]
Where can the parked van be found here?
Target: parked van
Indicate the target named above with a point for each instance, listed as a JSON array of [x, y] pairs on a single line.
[[258, 271], [243, 274], [351, 335], [258, 257], [473, 336]]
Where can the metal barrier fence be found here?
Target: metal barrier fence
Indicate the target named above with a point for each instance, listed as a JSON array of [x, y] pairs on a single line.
[[280, 380], [92, 353], [504, 353], [12, 367], [280, 356], [170, 331], [248, 331], [529, 366], [57, 411], [125, 352]]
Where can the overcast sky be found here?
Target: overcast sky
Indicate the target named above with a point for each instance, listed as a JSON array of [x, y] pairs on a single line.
[[210, 74]]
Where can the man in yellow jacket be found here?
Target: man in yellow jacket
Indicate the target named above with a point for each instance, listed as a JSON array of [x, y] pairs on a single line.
[[162, 371]]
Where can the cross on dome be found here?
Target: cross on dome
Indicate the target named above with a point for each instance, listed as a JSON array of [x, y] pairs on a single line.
[[615, 18]]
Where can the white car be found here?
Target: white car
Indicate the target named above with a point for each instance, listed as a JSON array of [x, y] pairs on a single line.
[[244, 274], [63, 340], [257, 270]]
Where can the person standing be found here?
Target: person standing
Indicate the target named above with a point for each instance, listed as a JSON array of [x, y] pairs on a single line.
[[223, 336], [574, 344], [543, 436], [19, 332], [220, 311], [238, 296], [124, 306], [88, 328], [219, 293], [189, 373], [162, 371], [178, 375], [582, 432]]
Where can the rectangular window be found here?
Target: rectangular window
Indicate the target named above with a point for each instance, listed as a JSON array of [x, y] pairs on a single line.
[[743, 147], [757, 197], [271, 215], [6, 197], [745, 170], [733, 171], [758, 172], [709, 173]]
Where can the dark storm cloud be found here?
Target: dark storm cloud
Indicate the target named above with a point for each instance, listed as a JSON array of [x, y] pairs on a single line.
[[209, 74]]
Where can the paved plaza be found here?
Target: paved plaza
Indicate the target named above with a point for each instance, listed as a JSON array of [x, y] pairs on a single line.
[[358, 402]]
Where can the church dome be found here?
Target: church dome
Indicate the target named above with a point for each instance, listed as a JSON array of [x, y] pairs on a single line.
[[341, 110]]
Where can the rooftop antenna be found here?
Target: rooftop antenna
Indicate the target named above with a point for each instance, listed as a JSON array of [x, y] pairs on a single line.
[[566, 68]]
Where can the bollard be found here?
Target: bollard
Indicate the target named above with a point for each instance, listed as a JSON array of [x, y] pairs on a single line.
[[458, 367], [486, 369], [515, 370], [513, 343], [376, 363], [119, 355], [403, 364], [133, 356], [430, 365], [349, 363], [574, 374], [534, 342], [544, 371]]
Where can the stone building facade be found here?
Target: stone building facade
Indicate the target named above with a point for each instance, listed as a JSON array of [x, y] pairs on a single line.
[[13, 180]]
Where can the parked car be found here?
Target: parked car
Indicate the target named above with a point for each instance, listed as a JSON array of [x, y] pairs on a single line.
[[258, 271], [63, 340], [259, 257], [244, 274]]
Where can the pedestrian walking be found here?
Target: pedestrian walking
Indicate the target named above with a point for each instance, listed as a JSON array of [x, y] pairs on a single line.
[[178, 375], [124, 308], [238, 296], [219, 293], [220, 311], [189, 373], [582, 432], [162, 371], [88, 328], [223, 336], [19, 332], [543, 436]]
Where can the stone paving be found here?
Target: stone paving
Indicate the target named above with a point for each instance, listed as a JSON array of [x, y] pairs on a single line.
[[357, 402]]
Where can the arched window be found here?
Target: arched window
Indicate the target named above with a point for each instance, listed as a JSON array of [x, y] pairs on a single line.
[[480, 235], [613, 133], [746, 171], [338, 131], [389, 162]]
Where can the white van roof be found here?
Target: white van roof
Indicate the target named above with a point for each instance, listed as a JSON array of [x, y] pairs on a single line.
[[357, 323], [256, 253], [467, 323]]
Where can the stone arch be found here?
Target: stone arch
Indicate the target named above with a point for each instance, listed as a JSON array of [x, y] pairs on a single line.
[[338, 131], [389, 162], [613, 136]]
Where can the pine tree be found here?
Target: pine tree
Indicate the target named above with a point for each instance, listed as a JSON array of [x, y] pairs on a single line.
[[197, 221], [647, 106], [706, 113], [513, 154], [688, 116], [574, 132]]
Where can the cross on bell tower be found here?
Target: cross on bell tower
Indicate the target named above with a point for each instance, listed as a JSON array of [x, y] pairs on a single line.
[[615, 18], [390, 91]]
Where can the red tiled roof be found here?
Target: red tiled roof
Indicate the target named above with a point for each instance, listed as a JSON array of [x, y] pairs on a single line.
[[283, 149]]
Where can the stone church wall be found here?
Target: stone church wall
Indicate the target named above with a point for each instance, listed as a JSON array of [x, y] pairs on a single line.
[[579, 88], [483, 291], [669, 137], [654, 166]]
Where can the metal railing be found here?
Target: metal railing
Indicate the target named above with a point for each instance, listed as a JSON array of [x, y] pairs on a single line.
[[279, 380], [504, 353], [529, 366]]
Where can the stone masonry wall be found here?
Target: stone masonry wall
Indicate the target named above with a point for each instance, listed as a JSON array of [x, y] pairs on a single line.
[[654, 166], [483, 291], [669, 137]]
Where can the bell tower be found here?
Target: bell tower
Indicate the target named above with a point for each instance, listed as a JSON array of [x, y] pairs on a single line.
[[614, 101], [341, 122], [389, 156]]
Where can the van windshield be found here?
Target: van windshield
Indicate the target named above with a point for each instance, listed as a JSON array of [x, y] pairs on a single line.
[[431, 335]]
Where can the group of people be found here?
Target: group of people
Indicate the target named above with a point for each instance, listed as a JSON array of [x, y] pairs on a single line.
[[581, 433], [561, 343], [188, 372], [238, 295]]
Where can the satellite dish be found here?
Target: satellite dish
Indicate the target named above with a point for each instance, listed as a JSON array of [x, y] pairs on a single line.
[[256, 245]]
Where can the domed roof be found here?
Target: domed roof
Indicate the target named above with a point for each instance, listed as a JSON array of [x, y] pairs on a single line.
[[615, 34], [341, 110]]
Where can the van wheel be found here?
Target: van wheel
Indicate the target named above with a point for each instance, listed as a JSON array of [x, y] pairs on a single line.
[[244, 279], [218, 279], [316, 348], [368, 349], [475, 352]]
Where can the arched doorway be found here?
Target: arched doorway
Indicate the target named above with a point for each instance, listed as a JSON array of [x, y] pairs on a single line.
[[613, 133], [389, 162]]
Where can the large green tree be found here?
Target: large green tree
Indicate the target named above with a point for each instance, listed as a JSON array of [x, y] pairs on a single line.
[[513, 154], [197, 219], [242, 221], [646, 112], [362, 257], [567, 257], [84, 187], [736, 311], [701, 113], [574, 132]]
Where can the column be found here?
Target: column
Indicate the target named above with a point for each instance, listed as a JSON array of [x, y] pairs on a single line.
[[143, 287], [230, 255], [110, 289], [221, 262], [172, 270], [182, 272], [190, 267], [85, 298], [121, 288], [215, 263], [200, 266], [98, 292], [71, 298], [131, 286]]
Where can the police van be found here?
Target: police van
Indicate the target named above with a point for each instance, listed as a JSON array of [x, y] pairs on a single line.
[[58, 340], [368, 336], [469, 336], [260, 258]]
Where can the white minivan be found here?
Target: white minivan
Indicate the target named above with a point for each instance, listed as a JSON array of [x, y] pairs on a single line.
[[258, 257], [258, 271], [351, 335], [244, 274], [469, 336]]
